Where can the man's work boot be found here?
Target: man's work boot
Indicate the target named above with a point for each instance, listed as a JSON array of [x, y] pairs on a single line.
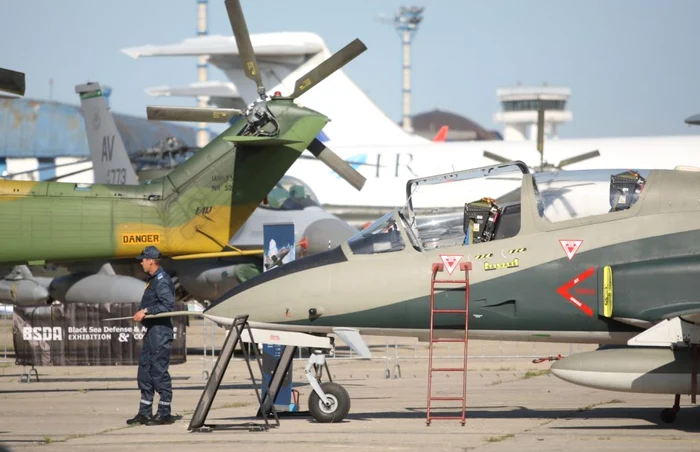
[[139, 419], [158, 419]]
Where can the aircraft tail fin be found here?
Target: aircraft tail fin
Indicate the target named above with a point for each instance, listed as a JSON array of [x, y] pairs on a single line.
[[111, 163], [21, 272], [219, 187], [441, 135]]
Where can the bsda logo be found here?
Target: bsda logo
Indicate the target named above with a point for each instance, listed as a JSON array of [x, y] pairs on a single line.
[[46, 333]]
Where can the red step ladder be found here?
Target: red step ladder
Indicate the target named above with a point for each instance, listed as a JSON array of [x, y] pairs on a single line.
[[439, 267]]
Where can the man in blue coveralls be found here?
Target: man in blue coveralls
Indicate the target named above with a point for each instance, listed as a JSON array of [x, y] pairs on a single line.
[[153, 375]]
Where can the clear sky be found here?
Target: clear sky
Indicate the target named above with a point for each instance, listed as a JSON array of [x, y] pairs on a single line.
[[631, 65]]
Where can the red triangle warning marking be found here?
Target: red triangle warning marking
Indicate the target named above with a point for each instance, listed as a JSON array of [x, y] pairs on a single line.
[[570, 247], [451, 261]]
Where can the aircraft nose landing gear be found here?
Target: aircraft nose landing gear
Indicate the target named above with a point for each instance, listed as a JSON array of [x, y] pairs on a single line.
[[329, 402], [668, 415]]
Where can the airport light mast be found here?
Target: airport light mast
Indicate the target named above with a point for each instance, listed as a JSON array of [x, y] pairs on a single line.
[[202, 69], [406, 22]]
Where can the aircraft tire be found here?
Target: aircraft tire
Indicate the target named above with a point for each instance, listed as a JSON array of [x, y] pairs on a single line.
[[668, 415], [340, 404]]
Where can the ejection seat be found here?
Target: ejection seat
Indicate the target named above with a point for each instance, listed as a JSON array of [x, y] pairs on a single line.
[[485, 220], [625, 189]]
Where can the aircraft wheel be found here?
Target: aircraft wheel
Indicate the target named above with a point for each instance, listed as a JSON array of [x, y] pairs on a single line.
[[668, 415], [338, 408]]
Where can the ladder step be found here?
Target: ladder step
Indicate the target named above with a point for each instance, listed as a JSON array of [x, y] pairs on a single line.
[[448, 281], [448, 340], [441, 418], [447, 398], [450, 311], [447, 369]]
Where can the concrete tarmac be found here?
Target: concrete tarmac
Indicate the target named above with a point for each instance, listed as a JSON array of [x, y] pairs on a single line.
[[512, 404]]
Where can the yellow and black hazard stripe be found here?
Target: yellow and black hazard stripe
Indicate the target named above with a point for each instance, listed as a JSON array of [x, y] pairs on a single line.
[[517, 250], [483, 256]]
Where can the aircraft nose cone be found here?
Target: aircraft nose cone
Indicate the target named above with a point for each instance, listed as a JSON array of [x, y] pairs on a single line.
[[327, 233], [267, 296], [40, 294]]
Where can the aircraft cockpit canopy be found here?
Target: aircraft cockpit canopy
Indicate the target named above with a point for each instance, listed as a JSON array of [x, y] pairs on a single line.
[[496, 215], [290, 193], [464, 207], [567, 195], [382, 236], [559, 196]]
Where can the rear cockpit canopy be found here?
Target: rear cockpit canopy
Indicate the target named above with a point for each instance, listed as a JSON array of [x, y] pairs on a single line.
[[567, 195]]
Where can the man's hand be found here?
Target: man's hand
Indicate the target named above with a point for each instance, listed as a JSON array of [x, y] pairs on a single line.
[[139, 315]]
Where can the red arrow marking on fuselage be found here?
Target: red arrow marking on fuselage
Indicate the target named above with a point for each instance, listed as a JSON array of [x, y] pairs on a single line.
[[564, 291]]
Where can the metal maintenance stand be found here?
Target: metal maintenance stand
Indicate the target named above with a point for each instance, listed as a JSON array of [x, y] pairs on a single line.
[[239, 328]]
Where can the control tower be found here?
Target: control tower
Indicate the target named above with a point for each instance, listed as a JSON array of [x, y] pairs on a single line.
[[520, 105]]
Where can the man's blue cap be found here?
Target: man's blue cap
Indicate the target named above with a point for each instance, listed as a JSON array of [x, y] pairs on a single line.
[[150, 252]]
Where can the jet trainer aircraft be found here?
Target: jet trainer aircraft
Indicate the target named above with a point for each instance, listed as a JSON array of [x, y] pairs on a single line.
[[590, 256], [197, 207]]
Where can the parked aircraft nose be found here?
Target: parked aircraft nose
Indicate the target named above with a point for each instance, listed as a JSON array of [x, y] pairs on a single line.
[[23, 293], [327, 233], [96, 288], [282, 294]]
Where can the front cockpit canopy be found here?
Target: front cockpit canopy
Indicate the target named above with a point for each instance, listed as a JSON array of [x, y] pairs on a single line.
[[290, 193], [382, 236]]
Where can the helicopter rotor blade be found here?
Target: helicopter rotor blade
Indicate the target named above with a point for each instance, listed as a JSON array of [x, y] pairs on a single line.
[[496, 157], [327, 67], [12, 82], [693, 120], [43, 168], [578, 158], [55, 178], [349, 162], [191, 114], [245, 47], [340, 166]]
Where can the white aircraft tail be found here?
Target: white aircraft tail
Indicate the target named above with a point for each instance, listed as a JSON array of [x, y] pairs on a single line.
[[111, 164], [355, 119], [283, 58]]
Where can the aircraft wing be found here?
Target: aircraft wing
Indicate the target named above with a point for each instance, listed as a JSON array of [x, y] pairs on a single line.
[[350, 336], [669, 325]]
